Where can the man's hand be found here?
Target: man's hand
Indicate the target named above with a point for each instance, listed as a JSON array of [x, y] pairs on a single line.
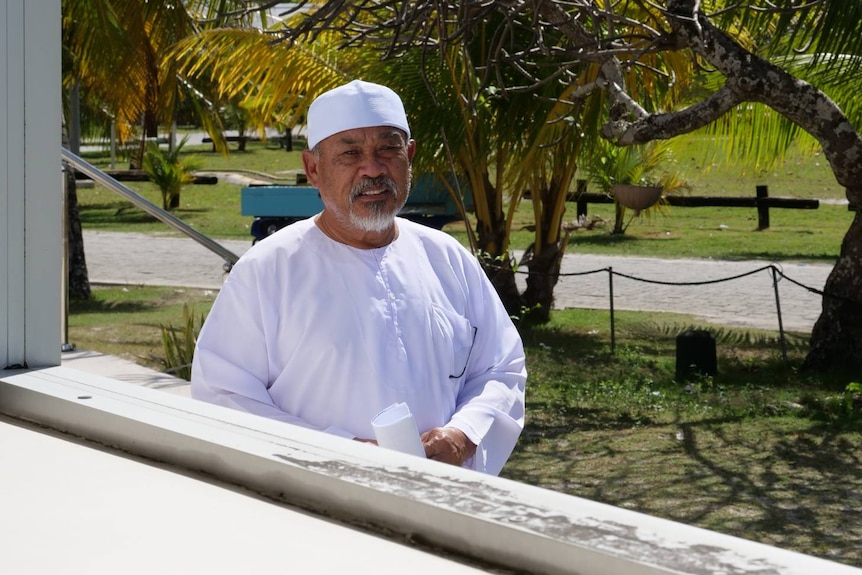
[[447, 444]]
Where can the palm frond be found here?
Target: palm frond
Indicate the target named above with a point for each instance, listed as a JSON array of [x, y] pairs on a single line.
[[276, 80]]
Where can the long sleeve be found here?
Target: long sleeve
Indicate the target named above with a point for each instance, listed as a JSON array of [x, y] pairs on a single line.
[[230, 366], [491, 403]]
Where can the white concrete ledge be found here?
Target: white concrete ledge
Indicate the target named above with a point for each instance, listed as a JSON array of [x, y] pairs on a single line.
[[485, 519], [70, 508]]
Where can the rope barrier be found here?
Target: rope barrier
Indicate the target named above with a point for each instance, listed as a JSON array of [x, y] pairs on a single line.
[[776, 267], [775, 270], [698, 283]]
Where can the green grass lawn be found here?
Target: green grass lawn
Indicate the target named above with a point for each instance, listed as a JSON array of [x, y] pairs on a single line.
[[761, 450], [127, 321], [724, 233]]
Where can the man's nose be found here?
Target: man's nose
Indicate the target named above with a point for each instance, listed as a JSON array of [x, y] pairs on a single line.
[[373, 165]]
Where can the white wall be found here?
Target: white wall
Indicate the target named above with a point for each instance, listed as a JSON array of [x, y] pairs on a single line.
[[30, 183]]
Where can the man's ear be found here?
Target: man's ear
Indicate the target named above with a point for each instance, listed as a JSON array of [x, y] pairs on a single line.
[[411, 149], [309, 162]]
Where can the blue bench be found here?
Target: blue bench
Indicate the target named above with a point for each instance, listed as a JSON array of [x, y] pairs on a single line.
[[274, 207]]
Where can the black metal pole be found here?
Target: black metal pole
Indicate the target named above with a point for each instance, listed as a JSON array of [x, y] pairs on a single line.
[[778, 308], [613, 329]]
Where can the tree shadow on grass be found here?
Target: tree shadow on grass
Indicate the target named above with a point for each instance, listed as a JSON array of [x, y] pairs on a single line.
[[535, 339], [768, 257], [793, 490], [735, 453], [565, 421], [109, 213], [745, 357], [120, 212], [607, 239], [785, 482], [185, 210], [620, 241], [109, 307]]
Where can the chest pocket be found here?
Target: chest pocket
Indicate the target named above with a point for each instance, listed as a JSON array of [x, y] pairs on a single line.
[[454, 337]]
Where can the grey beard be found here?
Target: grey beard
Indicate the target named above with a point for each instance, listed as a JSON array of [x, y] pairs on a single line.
[[381, 218]]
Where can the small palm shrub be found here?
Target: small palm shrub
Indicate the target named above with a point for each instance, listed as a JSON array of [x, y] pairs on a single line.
[[169, 171], [179, 344], [640, 165]]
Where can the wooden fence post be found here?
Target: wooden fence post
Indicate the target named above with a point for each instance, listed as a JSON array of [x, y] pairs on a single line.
[[762, 207], [580, 190]]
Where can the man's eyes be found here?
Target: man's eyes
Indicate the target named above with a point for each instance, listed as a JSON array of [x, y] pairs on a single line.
[[392, 149], [384, 150]]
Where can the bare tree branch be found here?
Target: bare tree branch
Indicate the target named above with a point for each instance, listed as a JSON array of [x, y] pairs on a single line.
[[753, 79], [662, 126]]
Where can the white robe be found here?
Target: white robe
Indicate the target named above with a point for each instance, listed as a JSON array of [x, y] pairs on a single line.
[[313, 332]]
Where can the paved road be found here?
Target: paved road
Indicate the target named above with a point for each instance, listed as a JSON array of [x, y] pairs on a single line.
[[142, 259]]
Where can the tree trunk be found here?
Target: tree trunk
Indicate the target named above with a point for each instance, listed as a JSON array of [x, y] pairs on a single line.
[[543, 277], [79, 279], [498, 267], [544, 261], [491, 236], [619, 213], [78, 288], [836, 340], [502, 276]]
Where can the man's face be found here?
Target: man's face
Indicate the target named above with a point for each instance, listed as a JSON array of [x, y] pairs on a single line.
[[363, 176]]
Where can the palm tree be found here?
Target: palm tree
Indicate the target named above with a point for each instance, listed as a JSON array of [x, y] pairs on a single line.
[[503, 141], [636, 54], [117, 52], [507, 143], [509, 137]]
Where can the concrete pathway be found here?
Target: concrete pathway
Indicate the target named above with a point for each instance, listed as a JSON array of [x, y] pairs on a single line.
[[143, 259], [745, 301]]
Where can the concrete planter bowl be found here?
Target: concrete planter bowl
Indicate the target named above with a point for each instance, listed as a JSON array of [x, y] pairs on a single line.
[[636, 198]]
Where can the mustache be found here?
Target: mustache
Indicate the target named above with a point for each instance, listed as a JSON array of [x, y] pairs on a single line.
[[368, 183]]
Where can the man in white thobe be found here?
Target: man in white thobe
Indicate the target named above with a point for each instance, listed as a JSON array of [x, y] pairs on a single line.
[[332, 319]]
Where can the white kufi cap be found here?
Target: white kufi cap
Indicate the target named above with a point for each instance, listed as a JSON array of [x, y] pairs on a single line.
[[355, 105]]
